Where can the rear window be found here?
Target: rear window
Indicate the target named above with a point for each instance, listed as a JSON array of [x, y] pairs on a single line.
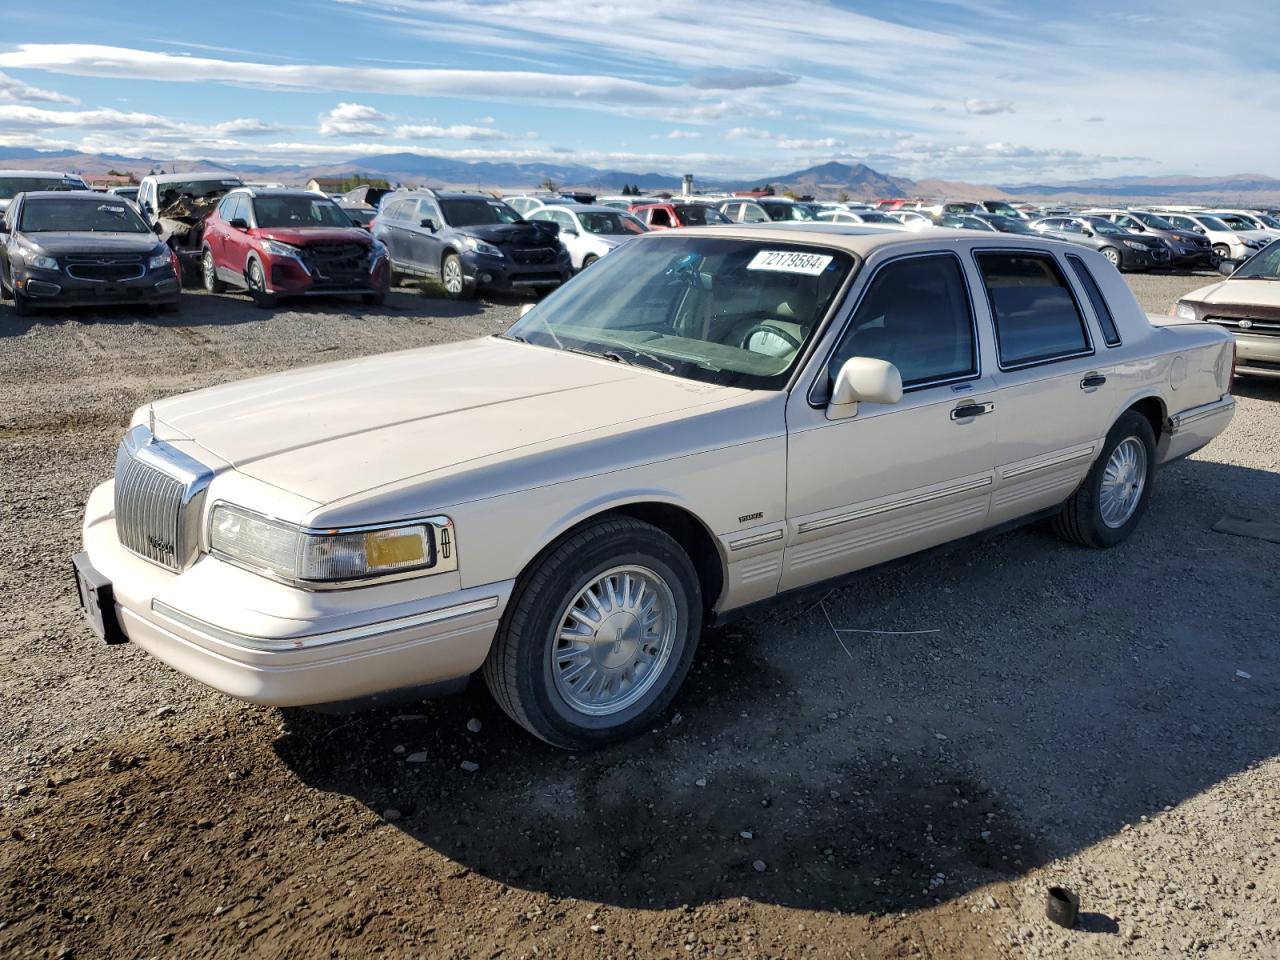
[[10, 187], [1100, 309], [1036, 317]]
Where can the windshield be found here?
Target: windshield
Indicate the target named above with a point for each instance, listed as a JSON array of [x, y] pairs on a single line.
[[731, 312], [10, 187], [1213, 223], [788, 211], [477, 212], [299, 211], [1235, 222], [170, 193], [1009, 224], [1264, 264], [52, 214], [611, 224], [699, 215], [869, 217], [1002, 208], [1269, 221], [1104, 227], [1152, 221]]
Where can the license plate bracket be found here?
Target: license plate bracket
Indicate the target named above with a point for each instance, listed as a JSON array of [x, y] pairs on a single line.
[[97, 601]]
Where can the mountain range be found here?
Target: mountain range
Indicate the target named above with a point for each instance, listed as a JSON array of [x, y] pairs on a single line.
[[824, 181]]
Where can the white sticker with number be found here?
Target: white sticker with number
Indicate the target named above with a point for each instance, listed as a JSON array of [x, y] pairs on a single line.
[[789, 261]]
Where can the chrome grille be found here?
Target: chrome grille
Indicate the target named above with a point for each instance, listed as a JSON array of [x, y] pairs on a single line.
[[158, 495]]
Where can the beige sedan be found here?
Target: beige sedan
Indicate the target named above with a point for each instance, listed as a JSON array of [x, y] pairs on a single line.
[[704, 420]]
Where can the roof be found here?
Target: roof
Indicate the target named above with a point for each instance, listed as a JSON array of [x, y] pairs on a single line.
[[67, 195], [856, 238], [47, 174], [276, 191], [587, 208], [193, 176]]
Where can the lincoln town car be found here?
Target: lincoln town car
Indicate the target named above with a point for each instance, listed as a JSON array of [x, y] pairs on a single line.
[[705, 419]]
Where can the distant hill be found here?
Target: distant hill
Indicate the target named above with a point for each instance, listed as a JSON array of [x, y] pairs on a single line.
[[824, 181]]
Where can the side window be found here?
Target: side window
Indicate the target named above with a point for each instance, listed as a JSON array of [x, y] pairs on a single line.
[[1036, 317], [916, 315], [754, 213], [236, 207], [1128, 222], [659, 217], [565, 220], [730, 210], [224, 208], [427, 210], [1100, 308]]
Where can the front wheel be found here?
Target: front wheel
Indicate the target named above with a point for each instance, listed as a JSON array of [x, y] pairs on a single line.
[[588, 260], [20, 305], [598, 636], [1108, 505], [1113, 255], [1221, 251], [257, 283], [454, 280]]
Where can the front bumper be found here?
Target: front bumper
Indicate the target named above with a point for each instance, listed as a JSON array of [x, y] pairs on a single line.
[[273, 644], [55, 288], [289, 277], [1133, 259], [1186, 255], [1257, 356], [494, 273]]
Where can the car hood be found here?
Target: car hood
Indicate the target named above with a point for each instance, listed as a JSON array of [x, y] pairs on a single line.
[[303, 236], [57, 244], [1262, 293], [520, 234], [328, 432]]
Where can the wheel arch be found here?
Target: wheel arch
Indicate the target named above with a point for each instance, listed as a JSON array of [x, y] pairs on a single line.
[[668, 515], [1153, 408]]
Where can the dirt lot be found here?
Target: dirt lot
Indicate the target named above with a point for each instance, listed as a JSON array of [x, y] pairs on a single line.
[[1103, 720]]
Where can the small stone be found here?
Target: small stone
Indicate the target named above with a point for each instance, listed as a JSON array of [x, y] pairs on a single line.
[[398, 748], [760, 866], [940, 736], [746, 834], [21, 790], [1244, 676], [204, 824], [985, 835], [596, 928], [419, 757], [473, 725], [391, 815], [165, 711], [469, 766], [700, 782]]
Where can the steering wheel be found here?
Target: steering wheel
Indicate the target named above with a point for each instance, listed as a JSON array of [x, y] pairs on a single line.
[[771, 330]]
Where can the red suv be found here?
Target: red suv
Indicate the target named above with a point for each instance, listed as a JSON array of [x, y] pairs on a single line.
[[289, 243], [668, 216]]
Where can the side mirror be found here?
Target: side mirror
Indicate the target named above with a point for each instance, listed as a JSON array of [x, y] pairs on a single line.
[[1086, 231], [1200, 230], [428, 224], [1227, 267], [157, 228], [569, 231], [239, 223], [147, 208], [863, 379]]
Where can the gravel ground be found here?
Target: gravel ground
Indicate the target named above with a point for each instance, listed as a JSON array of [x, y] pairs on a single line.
[[1103, 720]]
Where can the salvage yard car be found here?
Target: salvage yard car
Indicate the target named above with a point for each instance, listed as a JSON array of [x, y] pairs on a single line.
[[590, 232], [178, 204], [1248, 304], [277, 243], [705, 419], [72, 248], [14, 182]]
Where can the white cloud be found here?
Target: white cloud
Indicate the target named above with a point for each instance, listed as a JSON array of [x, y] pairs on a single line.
[[456, 131], [103, 118], [247, 125], [352, 120], [821, 143], [984, 107], [13, 90], [748, 133], [684, 135]]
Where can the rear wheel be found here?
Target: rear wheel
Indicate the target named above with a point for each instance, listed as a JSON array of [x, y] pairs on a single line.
[[209, 270], [257, 283], [454, 280], [588, 260], [1222, 251], [1108, 505], [598, 636], [1112, 254]]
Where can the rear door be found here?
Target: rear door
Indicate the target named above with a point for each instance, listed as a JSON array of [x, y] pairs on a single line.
[[390, 229], [1053, 375], [425, 245]]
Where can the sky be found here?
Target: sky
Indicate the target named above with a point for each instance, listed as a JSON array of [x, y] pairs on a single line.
[[988, 91]]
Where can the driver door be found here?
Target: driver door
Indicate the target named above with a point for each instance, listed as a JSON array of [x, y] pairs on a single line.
[[894, 478]]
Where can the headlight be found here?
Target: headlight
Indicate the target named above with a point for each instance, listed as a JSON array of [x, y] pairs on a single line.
[[278, 249], [479, 246], [1179, 238], [1134, 245], [1252, 243], [1186, 311], [39, 260], [160, 259], [289, 552]]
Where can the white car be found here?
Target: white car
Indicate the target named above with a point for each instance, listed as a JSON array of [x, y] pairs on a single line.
[[1228, 243], [590, 232], [874, 218], [710, 418], [1243, 220], [525, 205], [911, 219]]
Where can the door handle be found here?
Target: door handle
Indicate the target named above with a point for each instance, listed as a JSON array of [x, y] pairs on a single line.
[[967, 410], [1092, 380]]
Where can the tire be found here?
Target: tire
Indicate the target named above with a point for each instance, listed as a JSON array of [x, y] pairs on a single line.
[[1113, 255], [1222, 252], [588, 260], [564, 694], [20, 306], [455, 279], [1084, 518], [5, 292], [256, 281], [209, 272]]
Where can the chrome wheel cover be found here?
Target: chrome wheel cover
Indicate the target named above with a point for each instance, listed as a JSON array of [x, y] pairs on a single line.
[[1123, 480], [453, 275], [255, 278], [1112, 255], [209, 273], [612, 640]]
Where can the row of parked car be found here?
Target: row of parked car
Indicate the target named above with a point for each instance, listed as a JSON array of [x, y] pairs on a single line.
[[67, 244]]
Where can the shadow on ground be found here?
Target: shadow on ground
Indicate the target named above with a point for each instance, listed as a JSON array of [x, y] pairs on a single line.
[[1069, 693]]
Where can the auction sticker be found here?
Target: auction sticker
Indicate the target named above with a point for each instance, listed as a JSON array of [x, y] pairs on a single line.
[[789, 261]]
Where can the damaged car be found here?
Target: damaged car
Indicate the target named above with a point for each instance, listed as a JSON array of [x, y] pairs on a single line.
[[176, 205]]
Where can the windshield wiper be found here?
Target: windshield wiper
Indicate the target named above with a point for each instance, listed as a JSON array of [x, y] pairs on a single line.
[[618, 358]]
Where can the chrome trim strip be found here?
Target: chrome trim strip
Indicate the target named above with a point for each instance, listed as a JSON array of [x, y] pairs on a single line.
[[895, 505], [1194, 414], [1050, 462], [755, 540], [366, 632]]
